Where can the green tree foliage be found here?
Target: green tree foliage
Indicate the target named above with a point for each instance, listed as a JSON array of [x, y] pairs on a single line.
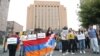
[[89, 12]]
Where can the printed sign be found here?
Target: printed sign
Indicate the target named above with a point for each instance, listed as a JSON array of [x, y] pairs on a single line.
[[41, 35], [80, 37], [12, 40], [32, 37], [23, 37]]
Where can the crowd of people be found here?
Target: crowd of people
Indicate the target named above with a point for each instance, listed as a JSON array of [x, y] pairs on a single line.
[[71, 41], [14, 46], [68, 41]]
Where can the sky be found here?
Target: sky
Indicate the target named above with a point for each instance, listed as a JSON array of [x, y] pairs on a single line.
[[18, 12]]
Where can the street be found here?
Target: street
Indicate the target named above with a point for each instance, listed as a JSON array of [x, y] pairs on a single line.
[[56, 53]]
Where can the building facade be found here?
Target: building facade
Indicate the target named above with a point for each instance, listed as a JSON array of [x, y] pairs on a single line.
[[44, 14], [4, 5], [12, 26]]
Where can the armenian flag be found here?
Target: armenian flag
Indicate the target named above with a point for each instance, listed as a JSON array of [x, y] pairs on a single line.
[[39, 47]]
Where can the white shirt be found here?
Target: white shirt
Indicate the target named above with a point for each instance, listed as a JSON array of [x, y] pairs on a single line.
[[86, 34], [64, 34], [23, 38]]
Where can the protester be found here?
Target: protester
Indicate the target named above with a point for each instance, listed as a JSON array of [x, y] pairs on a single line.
[[81, 39], [22, 38], [64, 40], [93, 39], [71, 40], [76, 41], [59, 43], [58, 40], [5, 43], [99, 37], [49, 32], [98, 32], [87, 40], [12, 47]]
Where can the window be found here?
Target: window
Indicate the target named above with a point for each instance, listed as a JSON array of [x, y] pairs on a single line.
[[8, 0], [0, 2], [38, 5], [35, 5], [42, 6], [48, 6], [54, 6], [51, 6]]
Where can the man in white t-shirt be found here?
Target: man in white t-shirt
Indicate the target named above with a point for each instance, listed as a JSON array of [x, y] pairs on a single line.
[[64, 40]]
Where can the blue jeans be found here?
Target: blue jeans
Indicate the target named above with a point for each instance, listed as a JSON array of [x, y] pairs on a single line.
[[82, 44], [22, 51], [59, 45], [94, 44]]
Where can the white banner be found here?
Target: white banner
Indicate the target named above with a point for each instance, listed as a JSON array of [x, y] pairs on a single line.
[[23, 37], [41, 35], [80, 37], [12, 40], [32, 37]]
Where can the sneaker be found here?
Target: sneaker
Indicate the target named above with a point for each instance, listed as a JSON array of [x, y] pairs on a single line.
[[50, 54], [72, 53], [60, 50], [84, 52], [81, 52], [64, 54], [94, 52], [46, 55], [97, 52], [67, 52]]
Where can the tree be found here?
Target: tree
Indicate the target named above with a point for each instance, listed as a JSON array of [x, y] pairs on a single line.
[[89, 12]]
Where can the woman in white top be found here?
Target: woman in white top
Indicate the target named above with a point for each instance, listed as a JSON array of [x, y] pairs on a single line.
[[81, 39]]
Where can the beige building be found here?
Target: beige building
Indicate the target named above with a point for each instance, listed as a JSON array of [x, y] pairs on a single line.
[[4, 5], [44, 14], [12, 26]]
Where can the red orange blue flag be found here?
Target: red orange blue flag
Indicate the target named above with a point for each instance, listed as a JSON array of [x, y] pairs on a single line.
[[39, 47]]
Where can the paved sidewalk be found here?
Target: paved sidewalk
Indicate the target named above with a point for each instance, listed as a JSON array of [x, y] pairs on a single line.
[[7, 54], [56, 53], [88, 53]]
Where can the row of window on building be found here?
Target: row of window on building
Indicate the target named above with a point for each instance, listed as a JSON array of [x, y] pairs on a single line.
[[46, 6]]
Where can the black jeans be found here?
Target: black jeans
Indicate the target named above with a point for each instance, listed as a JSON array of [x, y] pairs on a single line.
[[71, 45], [76, 42], [98, 41], [12, 49], [64, 46], [87, 43]]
